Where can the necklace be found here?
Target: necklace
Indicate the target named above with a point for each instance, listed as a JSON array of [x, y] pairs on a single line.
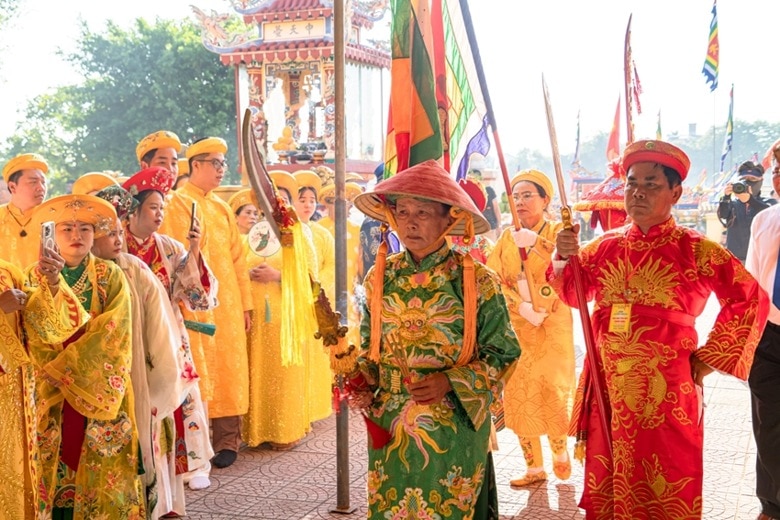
[[80, 285], [23, 232]]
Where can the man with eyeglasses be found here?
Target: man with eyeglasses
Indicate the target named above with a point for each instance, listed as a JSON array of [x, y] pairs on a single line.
[[227, 391]]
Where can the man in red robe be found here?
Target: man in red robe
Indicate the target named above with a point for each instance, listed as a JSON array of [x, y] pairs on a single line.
[[649, 281]]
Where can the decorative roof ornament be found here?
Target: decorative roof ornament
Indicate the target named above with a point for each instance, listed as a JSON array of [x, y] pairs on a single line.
[[218, 38]]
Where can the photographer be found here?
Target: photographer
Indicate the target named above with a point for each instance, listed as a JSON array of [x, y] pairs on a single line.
[[737, 213]]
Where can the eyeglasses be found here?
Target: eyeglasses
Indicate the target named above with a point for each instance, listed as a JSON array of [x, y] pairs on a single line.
[[526, 196], [216, 163]]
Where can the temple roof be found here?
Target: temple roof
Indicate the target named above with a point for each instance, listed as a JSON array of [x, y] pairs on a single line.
[[269, 52], [275, 10]]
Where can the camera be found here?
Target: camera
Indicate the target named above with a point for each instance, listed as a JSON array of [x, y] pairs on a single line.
[[739, 187]]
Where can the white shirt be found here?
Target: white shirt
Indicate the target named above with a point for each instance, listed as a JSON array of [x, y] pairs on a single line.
[[762, 253]]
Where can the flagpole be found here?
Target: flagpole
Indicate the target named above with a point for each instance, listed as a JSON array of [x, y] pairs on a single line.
[[464, 8]]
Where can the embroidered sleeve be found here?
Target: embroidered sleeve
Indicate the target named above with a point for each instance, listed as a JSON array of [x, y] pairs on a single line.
[[477, 383], [743, 314]]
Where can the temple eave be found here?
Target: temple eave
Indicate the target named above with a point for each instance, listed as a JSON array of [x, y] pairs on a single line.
[[303, 52], [304, 14]]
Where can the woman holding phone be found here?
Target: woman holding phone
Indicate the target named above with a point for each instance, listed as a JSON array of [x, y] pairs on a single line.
[[189, 283], [86, 429]]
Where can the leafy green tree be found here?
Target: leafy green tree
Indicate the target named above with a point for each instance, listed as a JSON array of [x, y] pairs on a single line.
[[152, 77], [8, 9]]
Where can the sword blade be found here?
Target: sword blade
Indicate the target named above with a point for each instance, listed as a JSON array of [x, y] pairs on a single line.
[[259, 180]]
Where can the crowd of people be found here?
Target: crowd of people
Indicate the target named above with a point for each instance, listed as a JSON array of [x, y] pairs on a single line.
[[150, 337]]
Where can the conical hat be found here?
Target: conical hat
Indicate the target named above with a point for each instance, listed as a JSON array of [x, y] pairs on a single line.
[[427, 181]]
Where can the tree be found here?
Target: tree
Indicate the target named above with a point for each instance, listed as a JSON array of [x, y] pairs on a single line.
[[155, 76], [8, 9]]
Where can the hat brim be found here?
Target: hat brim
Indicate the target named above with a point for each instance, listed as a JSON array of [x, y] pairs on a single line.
[[374, 204]]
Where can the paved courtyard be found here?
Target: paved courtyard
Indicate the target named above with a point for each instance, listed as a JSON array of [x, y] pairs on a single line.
[[301, 483]]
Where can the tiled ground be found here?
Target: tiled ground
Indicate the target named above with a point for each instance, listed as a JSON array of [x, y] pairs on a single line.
[[302, 483]]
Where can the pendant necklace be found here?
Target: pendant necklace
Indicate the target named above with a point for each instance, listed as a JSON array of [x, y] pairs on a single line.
[[23, 232]]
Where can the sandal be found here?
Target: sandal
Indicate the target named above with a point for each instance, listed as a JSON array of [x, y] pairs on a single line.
[[528, 479]]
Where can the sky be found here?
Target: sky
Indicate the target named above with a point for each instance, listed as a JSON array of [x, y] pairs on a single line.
[[577, 45]]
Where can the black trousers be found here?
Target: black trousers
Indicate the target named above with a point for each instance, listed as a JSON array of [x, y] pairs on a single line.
[[765, 403]]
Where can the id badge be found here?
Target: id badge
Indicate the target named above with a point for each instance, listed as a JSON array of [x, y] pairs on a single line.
[[620, 317]]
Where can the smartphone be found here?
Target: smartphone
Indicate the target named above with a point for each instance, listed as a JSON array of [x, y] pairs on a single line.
[[192, 217], [47, 237]]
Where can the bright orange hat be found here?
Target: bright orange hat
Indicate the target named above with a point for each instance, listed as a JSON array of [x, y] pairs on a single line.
[[25, 161], [154, 178], [659, 152]]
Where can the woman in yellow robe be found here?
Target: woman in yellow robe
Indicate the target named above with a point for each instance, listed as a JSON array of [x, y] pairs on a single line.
[[538, 395], [305, 202], [46, 313], [86, 428], [278, 392]]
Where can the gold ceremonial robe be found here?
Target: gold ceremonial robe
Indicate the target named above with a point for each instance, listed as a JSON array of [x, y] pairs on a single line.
[[17, 249], [223, 251], [52, 319]]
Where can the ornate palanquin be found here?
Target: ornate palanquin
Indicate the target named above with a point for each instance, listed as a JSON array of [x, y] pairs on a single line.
[[283, 55]]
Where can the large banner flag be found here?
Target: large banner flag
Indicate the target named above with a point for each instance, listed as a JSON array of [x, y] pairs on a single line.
[[710, 69], [434, 85], [729, 130], [466, 110], [414, 132]]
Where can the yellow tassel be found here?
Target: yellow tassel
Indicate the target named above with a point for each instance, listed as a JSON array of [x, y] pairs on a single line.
[[469, 312], [299, 322], [377, 293]]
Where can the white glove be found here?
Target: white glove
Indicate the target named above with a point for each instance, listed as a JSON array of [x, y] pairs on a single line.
[[534, 318], [524, 237], [523, 290]]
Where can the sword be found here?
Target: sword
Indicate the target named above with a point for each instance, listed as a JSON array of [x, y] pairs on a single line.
[[259, 180], [596, 375]]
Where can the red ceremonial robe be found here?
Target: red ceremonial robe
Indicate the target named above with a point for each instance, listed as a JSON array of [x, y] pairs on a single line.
[[667, 275]]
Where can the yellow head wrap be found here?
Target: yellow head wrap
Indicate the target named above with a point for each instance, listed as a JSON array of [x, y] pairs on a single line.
[[207, 145], [537, 177], [25, 161], [92, 182], [161, 139]]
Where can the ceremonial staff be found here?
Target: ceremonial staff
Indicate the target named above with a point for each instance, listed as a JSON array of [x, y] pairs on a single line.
[[464, 8], [595, 373]]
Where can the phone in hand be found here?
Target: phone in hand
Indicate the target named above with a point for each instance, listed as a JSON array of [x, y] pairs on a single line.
[[47, 237], [192, 217]]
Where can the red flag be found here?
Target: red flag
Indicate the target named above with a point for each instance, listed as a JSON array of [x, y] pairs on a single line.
[[766, 162], [613, 145]]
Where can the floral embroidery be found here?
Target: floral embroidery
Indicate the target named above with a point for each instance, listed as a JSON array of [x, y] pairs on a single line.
[[108, 438]]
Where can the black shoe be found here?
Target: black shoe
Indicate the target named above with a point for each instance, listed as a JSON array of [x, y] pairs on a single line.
[[224, 458]]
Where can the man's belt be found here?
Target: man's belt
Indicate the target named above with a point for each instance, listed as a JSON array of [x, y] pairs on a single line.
[[203, 328], [677, 317]]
